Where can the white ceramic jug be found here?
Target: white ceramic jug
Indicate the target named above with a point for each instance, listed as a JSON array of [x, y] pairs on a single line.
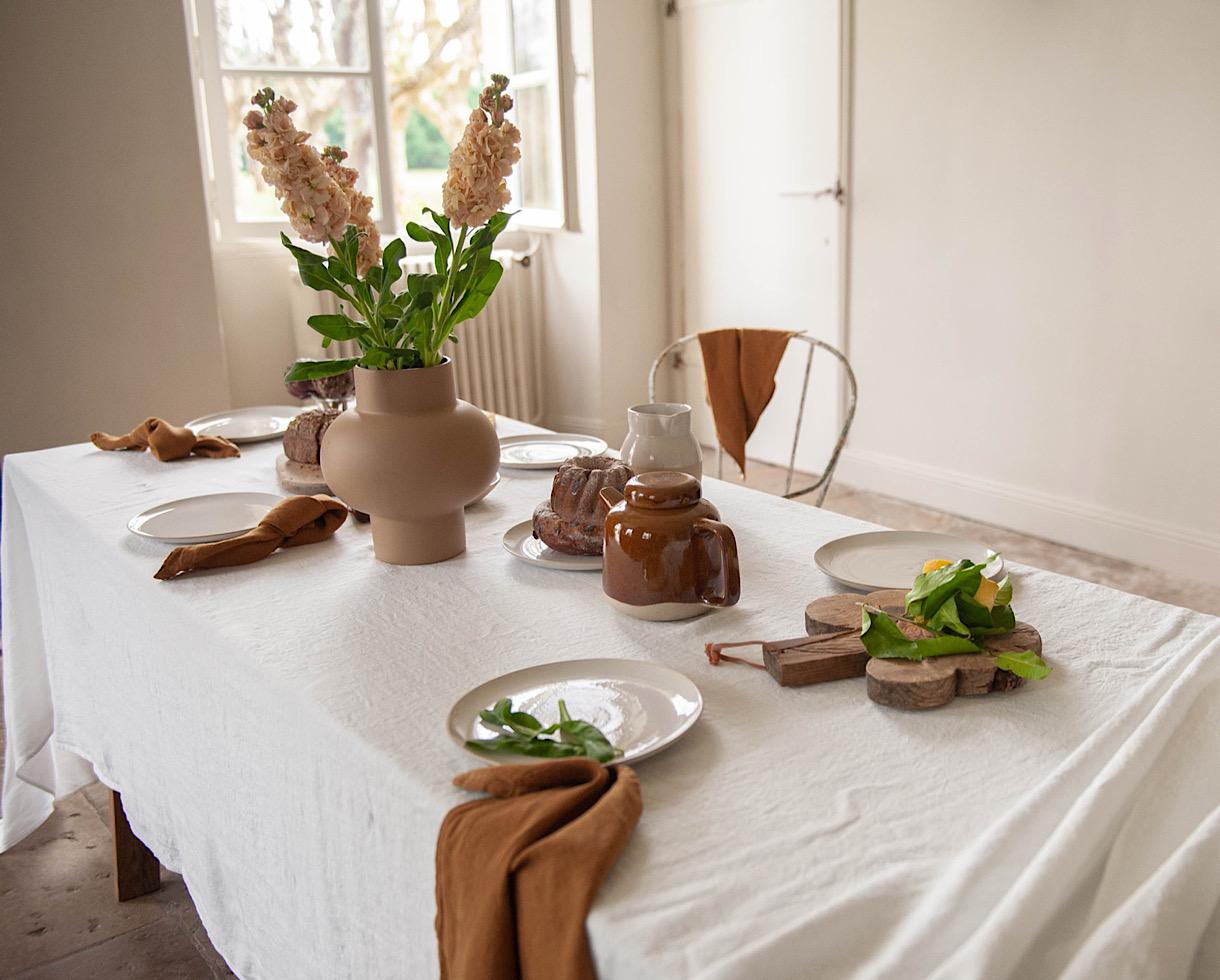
[[659, 437]]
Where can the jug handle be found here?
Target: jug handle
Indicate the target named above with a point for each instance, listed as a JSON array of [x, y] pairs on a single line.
[[610, 496], [724, 589]]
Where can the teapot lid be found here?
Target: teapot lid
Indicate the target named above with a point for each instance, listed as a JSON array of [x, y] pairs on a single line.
[[663, 490]]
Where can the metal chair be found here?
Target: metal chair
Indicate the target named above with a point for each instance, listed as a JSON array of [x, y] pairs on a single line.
[[823, 481]]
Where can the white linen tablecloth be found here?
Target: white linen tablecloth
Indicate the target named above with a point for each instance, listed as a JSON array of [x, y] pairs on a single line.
[[278, 734]]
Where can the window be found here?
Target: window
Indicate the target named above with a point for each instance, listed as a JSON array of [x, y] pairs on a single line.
[[391, 81]]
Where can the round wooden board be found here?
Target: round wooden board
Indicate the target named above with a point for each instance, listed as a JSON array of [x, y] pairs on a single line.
[[919, 684], [908, 684]]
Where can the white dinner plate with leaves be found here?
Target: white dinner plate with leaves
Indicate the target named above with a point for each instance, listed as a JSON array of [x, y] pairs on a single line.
[[640, 707], [209, 517], [519, 541], [546, 450], [243, 425], [891, 559]]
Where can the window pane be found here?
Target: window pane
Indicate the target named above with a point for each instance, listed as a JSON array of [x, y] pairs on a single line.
[[533, 34], [433, 61], [292, 33], [539, 147], [335, 110]]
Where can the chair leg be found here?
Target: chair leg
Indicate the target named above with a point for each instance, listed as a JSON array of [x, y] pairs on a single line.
[[136, 869]]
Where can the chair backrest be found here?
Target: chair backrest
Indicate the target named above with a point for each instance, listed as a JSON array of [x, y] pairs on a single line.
[[823, 481]]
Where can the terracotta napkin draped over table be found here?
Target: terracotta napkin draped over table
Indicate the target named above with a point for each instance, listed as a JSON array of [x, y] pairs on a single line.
[[294, 521], [166, 441], [517, 872], [740, 366]]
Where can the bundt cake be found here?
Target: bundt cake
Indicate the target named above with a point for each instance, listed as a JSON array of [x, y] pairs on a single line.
[[571, 521]]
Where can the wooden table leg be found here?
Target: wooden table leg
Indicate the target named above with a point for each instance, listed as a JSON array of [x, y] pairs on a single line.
[[136, 869]]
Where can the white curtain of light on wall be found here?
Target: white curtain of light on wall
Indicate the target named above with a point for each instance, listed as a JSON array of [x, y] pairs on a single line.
[[759, 97]]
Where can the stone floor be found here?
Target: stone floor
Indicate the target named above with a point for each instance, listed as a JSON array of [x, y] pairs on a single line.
[[58, 915]]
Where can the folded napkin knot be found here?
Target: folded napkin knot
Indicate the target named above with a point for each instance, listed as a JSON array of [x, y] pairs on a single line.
[[166, 441], [292, 522], [517, 871]]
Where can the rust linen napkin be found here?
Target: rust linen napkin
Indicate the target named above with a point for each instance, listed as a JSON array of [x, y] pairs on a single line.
[[740, 366], [166, 441], [294, 521], [517, 871]]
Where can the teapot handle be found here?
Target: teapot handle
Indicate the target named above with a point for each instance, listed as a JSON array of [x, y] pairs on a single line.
[[610, 496], [724, 588]]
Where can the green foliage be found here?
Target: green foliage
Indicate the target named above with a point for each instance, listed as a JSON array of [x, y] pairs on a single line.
[[406, 329], [1023, 663], [423, 143], [882, 638], [520, 733], [945, 603]]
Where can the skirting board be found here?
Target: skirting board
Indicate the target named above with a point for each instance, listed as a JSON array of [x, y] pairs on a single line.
[[1171, 547]]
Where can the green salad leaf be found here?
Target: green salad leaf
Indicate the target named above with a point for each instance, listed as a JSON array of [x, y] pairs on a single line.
[[882, 638], [520, 733], [1023, 663], [960, 608]]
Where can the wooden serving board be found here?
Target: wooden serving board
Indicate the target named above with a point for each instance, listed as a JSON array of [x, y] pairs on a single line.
[[300, 477], [833, 651]]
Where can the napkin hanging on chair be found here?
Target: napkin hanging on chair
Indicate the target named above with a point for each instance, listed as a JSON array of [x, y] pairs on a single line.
[[739, 367]]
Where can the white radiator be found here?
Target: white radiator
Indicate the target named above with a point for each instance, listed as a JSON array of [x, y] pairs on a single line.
[[498, 356]]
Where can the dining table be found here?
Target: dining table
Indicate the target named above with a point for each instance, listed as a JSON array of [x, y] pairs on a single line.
[[278, 734]]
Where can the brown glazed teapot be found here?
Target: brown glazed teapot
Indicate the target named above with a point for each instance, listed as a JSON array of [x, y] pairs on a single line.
[[667, 555]]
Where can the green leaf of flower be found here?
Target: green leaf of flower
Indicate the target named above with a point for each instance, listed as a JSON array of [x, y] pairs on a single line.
[[336, 326], [391, 262], [474, 300], [308, 370]]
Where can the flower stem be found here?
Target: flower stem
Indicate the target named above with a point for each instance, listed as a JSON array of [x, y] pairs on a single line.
[[441, 316]]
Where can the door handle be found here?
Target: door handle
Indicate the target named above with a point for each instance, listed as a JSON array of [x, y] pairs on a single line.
[[837, 192]]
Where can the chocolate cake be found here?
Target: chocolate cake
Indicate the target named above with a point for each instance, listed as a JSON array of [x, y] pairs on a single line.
[[571, 520]]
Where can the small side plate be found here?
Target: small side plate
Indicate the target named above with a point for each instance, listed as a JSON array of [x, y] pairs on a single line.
[[641, 707], [210, 517], [546, 450], [242, 425], [891, 559], [519, 541]]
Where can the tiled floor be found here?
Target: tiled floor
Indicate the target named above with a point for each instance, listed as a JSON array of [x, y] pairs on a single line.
[[58, 916]]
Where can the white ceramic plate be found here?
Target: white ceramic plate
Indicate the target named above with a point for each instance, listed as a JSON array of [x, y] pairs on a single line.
[[247, 424], [519, 541], [892, 559], [546, 450], [211, 517], [640, 707]]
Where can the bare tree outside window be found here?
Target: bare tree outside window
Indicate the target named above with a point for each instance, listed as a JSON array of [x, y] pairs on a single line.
[[391, 81]]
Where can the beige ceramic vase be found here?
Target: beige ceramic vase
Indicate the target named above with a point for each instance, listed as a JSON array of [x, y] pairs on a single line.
[[411, 455]]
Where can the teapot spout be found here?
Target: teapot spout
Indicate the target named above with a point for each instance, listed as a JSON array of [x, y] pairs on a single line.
[[610, 496]]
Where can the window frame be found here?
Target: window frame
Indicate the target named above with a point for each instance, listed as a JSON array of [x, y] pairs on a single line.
[[208, 79]]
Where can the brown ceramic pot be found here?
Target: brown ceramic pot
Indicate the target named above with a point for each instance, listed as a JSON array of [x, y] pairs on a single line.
[[667, 555], [411, 455]]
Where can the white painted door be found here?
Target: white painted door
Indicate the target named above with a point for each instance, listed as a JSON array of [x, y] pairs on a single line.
[[759, 105]]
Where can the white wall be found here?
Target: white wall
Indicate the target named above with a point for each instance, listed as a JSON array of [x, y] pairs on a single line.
[[1035, 297], [632, 245], [109, 314]]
